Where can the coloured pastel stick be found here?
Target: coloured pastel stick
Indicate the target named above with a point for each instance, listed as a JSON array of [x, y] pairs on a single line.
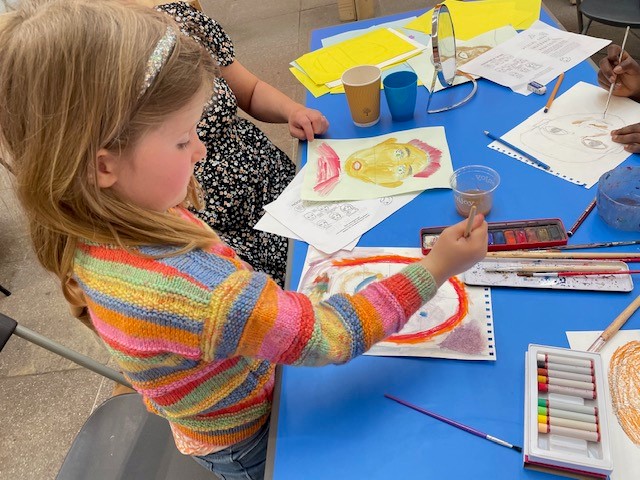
[[531, 235], [543, 234], [565, 368], [521, 237], [569, 432], [498, 238], [566, 406], [566, 383], [573, 392], [568, 375], [578, 362], [490, 238], [565, 422], [583, 417], [510, 237]]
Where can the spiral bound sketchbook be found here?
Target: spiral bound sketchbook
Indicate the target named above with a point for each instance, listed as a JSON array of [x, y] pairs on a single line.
[[573, 138], [457, 323]]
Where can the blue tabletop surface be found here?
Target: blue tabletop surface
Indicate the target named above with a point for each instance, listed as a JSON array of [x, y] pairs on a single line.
[[334, 422]]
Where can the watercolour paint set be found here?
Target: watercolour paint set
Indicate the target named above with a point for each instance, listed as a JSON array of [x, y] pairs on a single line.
[[566, 428], [560, 274], [512, 235]]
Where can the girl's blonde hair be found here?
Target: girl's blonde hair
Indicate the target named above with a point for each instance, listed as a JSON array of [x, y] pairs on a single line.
[[70, 77]]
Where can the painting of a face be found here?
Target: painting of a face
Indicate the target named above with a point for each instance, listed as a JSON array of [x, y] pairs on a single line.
[[387, 163], [464, 54], [575, 138]]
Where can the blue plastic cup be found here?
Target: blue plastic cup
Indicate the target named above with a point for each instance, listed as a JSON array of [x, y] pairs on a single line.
[[400, 90]]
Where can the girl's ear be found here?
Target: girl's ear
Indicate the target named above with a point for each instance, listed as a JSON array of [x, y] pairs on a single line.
[[106, 169]]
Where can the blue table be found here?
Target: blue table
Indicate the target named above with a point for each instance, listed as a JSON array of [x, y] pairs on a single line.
[[334, 423]]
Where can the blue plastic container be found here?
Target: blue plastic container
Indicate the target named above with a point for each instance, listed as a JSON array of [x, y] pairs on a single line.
[[618, 198]]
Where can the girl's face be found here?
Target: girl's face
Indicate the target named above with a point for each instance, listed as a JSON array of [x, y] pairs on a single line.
[[156, 174]]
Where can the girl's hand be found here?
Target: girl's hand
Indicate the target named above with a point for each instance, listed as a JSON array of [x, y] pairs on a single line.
[[453, 253], [305, 123], [626, 74]]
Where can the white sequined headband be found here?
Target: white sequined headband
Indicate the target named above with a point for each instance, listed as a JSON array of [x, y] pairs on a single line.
[[158, 58]]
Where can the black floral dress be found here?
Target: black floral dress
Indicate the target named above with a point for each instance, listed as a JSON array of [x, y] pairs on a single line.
[[243, 170]]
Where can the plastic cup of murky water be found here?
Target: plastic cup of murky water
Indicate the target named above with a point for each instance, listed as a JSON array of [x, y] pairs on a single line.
[[474, 185], [618, 198]]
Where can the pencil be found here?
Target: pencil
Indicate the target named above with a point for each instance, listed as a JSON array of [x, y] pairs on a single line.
[[472, 214], [453, 423], [516, 149], [583, 216], [552, 97], [614, 81], [617, 323]]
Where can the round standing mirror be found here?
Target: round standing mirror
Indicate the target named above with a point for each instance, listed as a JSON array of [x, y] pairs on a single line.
[[443, 42]]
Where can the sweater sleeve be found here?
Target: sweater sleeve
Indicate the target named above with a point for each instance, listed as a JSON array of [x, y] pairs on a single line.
[[208, 306]]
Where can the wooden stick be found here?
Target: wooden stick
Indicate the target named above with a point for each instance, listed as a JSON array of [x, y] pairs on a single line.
[[573, 273], [617, 323]]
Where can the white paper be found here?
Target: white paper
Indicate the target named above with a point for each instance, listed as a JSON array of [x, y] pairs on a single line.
[[539, 53], [331, 226], [456, 323], [466, 51], [572, 137], [268, 223], [625, 454]]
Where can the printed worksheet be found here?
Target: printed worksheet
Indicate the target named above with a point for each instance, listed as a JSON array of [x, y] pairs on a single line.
[[540, 53]]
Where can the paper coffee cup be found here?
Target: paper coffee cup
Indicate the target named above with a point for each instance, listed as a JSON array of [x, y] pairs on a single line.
[[362, 87]]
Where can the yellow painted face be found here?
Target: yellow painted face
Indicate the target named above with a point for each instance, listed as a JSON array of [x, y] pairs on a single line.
[[386, 164]]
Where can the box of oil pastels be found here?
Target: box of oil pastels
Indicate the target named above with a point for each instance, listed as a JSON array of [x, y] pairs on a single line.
[[566, 429], [513, 235]]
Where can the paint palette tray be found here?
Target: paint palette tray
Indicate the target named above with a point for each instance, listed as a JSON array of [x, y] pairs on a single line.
[[503, 272], [515, 235], [566, 429]]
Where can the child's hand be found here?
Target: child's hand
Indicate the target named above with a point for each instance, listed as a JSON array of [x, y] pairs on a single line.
[[305, 123], [453, 253]]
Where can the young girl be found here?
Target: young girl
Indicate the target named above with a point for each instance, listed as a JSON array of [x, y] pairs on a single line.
[[98, 111]]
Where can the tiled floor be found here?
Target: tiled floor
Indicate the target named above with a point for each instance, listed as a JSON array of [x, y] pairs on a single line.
[[44, 399]]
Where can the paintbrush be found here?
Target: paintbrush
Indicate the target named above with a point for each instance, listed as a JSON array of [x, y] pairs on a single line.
[[453, 423], [551, 268], [626, 34], [472, 215], [615, 326], [579, 246], [621, 256], [570, 273]]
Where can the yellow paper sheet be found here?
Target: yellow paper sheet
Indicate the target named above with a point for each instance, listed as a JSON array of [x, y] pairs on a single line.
[[316, 90], [473, 18], [373, 48]]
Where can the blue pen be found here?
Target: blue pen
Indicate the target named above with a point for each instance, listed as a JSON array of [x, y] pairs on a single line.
[[516, 149]]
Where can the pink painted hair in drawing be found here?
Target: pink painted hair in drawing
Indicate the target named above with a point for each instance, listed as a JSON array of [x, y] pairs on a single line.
[[432, 153], [328, 173]]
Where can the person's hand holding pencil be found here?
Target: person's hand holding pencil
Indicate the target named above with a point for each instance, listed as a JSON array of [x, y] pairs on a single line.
[[623, 72], [456, 251]]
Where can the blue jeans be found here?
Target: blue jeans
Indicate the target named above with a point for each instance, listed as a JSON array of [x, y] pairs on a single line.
[[244, 460]]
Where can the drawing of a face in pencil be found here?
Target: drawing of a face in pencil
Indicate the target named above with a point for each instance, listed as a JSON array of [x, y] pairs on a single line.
[[386, 164], [624, 385], [577, 138]]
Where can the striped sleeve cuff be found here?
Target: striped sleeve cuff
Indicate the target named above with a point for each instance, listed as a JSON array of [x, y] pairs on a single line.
[[422, 280]]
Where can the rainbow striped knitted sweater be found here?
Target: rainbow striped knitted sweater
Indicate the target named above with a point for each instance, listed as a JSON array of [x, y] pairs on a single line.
[[199, 334]]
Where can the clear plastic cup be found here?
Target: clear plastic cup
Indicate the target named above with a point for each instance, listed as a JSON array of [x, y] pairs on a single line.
[[618, 198], [474, 185]]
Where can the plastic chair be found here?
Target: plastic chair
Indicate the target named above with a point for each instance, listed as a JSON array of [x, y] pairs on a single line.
[[120, 440], [617, 13]]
